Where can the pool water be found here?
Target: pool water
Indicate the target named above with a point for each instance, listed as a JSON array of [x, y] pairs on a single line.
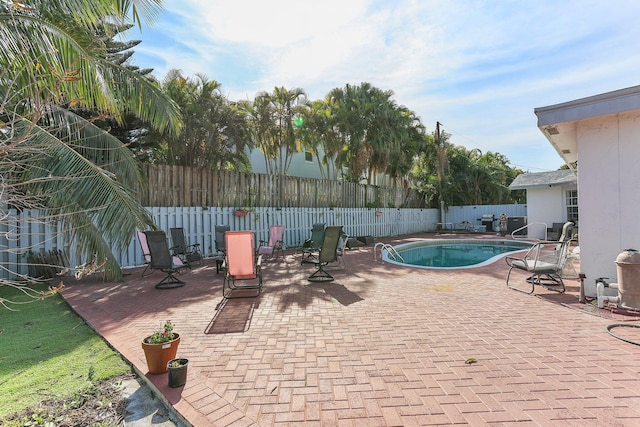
[[451, 253]]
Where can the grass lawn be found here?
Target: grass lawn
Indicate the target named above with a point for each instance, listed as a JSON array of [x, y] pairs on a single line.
[[48, 352]]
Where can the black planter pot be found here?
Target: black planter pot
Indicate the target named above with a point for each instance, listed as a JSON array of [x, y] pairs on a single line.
[[177, 369]]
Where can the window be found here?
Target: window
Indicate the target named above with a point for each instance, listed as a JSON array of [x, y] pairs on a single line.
[[308, 156], [572, 205]]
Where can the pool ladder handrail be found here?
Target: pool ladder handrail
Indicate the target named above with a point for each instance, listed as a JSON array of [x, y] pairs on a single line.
[[390, 250], [516, 236]]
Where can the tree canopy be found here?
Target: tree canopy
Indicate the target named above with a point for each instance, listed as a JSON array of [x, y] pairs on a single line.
[[54, 64]]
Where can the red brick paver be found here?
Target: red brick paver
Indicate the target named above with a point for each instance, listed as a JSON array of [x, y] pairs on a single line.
[[382, 345]]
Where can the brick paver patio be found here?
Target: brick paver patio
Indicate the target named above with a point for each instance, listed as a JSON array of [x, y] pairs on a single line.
[[382, 345]]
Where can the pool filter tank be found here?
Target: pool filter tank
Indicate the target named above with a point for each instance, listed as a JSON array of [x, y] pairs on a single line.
[[628, 270]]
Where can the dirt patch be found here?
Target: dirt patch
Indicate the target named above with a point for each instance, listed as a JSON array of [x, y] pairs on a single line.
[[103, 404]]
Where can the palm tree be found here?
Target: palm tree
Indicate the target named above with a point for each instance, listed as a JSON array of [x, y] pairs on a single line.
[[54, 64], [215, 131], [374, 130], [287, 105], [318, 134], [271, 116], [271, 119]]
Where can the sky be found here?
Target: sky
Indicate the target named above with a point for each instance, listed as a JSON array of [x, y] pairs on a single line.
[[480, 68]]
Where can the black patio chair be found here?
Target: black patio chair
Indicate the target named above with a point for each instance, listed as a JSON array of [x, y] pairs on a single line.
[[328, 254], [312, 245], [221, 246], [189, 254], [163, 260]]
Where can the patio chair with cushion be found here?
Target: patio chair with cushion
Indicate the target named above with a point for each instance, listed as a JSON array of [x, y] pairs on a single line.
[[161, 259], [328, 254], [544, 263], [144, 245], [189, 254], [243, 268], [275, 243], [312, 245], [221, 246]]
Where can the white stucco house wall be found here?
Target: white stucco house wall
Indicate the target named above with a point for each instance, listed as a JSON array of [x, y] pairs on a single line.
[[305, 164], [551, 198], [600, 135]]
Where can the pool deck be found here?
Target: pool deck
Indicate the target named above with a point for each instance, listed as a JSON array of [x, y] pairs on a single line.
[[382, 345]]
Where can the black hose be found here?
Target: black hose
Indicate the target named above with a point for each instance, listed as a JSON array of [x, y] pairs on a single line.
[[615, 325]]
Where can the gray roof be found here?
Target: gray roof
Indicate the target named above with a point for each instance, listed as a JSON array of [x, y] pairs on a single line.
[[544, 179]]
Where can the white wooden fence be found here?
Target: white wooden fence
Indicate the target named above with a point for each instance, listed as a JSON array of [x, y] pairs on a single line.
[[25, 231]]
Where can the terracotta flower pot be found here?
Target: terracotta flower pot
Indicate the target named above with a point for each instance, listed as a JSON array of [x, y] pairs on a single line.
[[240, 212], [158, 355]]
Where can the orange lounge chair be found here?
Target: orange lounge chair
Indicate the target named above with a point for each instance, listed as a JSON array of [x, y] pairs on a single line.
[[243, 269]]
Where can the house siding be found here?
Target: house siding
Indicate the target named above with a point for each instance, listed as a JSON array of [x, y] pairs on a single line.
[[608, 176], [547, 205]]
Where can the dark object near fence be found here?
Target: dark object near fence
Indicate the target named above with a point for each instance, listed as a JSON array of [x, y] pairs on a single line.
[[47, 264]]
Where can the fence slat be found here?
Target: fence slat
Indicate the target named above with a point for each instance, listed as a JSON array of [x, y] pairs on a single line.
[[24, 233], [185, 186]]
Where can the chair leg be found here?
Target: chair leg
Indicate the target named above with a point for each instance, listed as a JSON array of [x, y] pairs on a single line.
[[550, 281], [194, 257], [170, 282], [553, 282], [308, 257], [320, 275], [229, 286], [338, 265], [147, 267], [520, 289]]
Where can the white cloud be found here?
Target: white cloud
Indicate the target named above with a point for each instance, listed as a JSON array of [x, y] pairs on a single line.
[[479, 66]]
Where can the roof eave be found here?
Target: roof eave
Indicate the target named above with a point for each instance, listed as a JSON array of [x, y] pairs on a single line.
[[558, 122]]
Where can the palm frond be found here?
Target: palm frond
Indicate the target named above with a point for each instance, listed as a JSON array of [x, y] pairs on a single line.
[[78, 190]]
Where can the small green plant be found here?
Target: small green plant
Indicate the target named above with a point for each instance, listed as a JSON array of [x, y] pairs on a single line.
[[164, 335], [175, 363]]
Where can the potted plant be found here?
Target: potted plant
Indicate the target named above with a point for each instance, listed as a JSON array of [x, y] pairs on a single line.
[[177, 371], [160, 347], [240, 212]]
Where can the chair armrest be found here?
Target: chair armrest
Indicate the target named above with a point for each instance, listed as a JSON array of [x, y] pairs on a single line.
[[510, 258]]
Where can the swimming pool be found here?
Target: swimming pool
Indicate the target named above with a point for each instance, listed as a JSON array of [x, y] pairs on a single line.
[[454, 253]]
